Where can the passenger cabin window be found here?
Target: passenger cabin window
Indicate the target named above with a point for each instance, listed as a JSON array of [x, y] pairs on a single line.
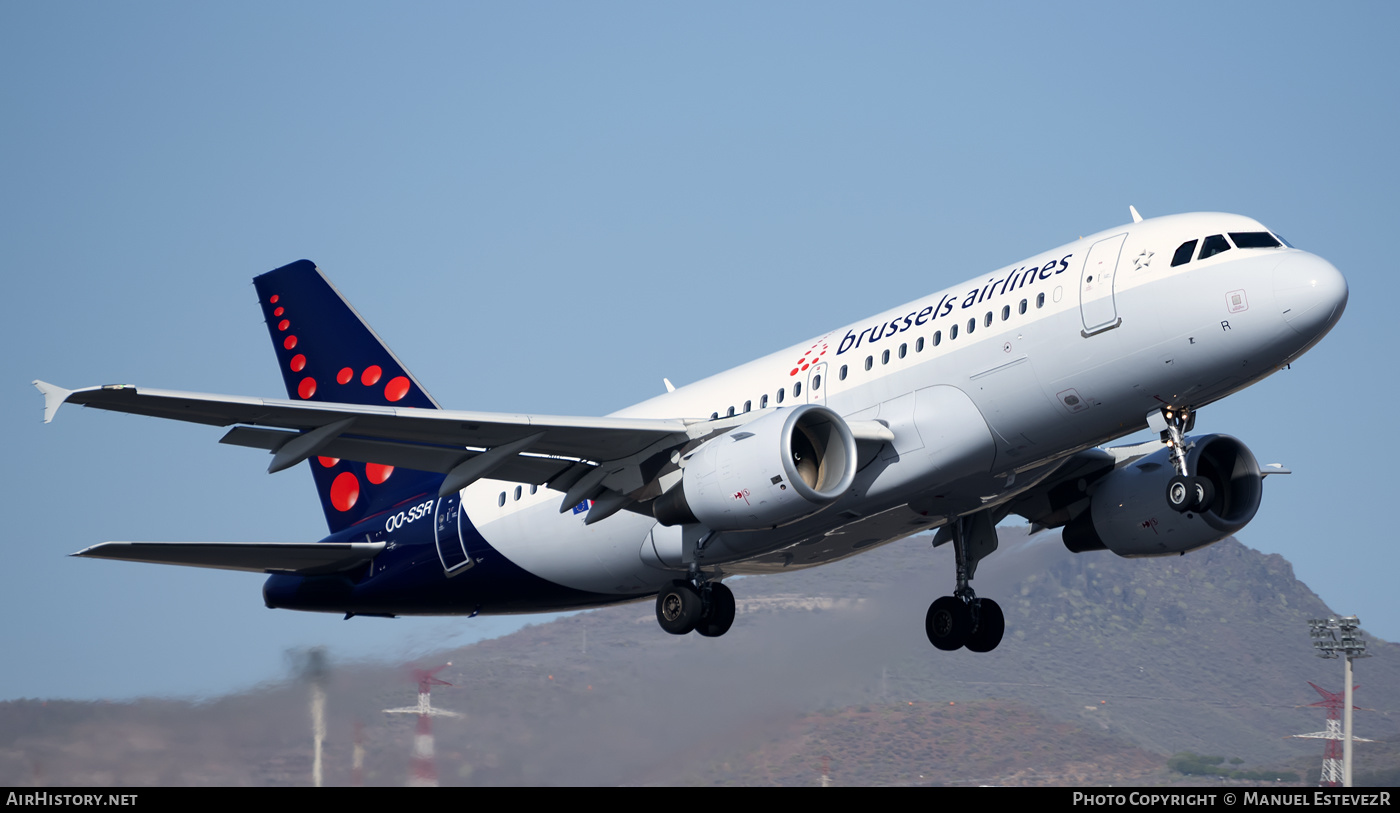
[[796, 389], [714, 416], [903, 348], [1213, 245], [763, 402], [1005, 312], [937, 338], [987, 320], [869, 362], [1022, 307], [843, 372], [816, 382], [534, 489], [502, 501], [729, 413], [1040, 300], [952, 333], [1184, 252], [780, 394], [971, 325], [517, 493], [885, 357], [748, 405], [919, 345], [1253, 239]]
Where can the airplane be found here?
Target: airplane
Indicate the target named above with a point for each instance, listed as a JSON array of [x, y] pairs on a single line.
[[950, 413]]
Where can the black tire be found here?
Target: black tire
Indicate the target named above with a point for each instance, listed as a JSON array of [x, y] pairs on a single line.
[[1181, 493], [991, 625], [1202, 494], [678, 608], [720, 617], [948, 623]]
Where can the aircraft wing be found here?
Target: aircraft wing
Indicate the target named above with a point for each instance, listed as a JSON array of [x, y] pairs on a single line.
[[623, 455], [307, 559], [617, 460]]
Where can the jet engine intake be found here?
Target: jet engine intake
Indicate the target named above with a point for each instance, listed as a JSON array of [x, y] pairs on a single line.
[[1128, 512], [771, 471]]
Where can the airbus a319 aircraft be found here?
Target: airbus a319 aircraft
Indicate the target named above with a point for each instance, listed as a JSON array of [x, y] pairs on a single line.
[[989, 398]]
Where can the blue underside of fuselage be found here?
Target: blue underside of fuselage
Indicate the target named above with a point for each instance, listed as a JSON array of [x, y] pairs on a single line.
[[408, 578]]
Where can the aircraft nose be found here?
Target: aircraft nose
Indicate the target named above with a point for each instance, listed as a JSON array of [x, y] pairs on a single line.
[[1311, 293]]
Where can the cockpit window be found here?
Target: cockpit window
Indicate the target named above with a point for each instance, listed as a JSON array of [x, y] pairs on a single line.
[[1253, 239], [1213, 245], [1284, 240], [1184, 252]]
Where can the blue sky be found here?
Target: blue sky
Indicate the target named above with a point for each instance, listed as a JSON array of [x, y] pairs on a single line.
[[547, 207]]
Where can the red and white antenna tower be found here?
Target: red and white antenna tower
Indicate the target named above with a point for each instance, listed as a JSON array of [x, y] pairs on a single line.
[[424, 773], [1334, 702]]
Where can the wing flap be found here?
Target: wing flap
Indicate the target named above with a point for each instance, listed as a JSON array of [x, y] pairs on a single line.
[[536, 470], [306, 559]]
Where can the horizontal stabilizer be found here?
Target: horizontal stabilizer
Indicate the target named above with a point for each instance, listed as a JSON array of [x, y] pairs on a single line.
[[307, 559], [54, 396]]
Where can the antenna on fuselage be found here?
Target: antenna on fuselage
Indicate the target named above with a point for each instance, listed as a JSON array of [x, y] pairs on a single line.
[[1137, 218]]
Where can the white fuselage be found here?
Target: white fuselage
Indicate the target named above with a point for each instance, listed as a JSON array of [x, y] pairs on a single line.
[[986, 386]]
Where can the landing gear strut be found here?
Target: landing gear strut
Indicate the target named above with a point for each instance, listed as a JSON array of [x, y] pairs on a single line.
[[963, 619], [1185, 492], [681, 607]]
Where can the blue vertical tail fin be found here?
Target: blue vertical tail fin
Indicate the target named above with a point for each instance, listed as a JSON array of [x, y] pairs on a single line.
[[327, 352]]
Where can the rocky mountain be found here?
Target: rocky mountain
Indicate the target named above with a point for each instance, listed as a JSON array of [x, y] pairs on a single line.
[[1108, 667]]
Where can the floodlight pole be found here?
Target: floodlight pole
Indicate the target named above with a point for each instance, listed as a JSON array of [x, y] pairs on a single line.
[[1346, 726], [1341, 637]]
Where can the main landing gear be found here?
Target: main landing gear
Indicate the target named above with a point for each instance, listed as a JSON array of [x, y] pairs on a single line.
[[1185, 492], [681, 607], [963, 619]]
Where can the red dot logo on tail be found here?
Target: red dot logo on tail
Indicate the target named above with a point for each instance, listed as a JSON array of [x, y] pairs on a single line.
[[396, 389], [371, 375], [345, 491]]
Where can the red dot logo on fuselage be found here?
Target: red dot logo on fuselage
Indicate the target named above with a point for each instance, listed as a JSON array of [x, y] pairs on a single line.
[[813, 355]]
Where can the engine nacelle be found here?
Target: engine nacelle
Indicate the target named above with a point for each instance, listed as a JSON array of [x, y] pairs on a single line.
[[771, 471], [1128, 511]]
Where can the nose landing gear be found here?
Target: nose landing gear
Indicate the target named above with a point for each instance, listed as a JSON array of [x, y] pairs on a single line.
[[1185, 492]]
